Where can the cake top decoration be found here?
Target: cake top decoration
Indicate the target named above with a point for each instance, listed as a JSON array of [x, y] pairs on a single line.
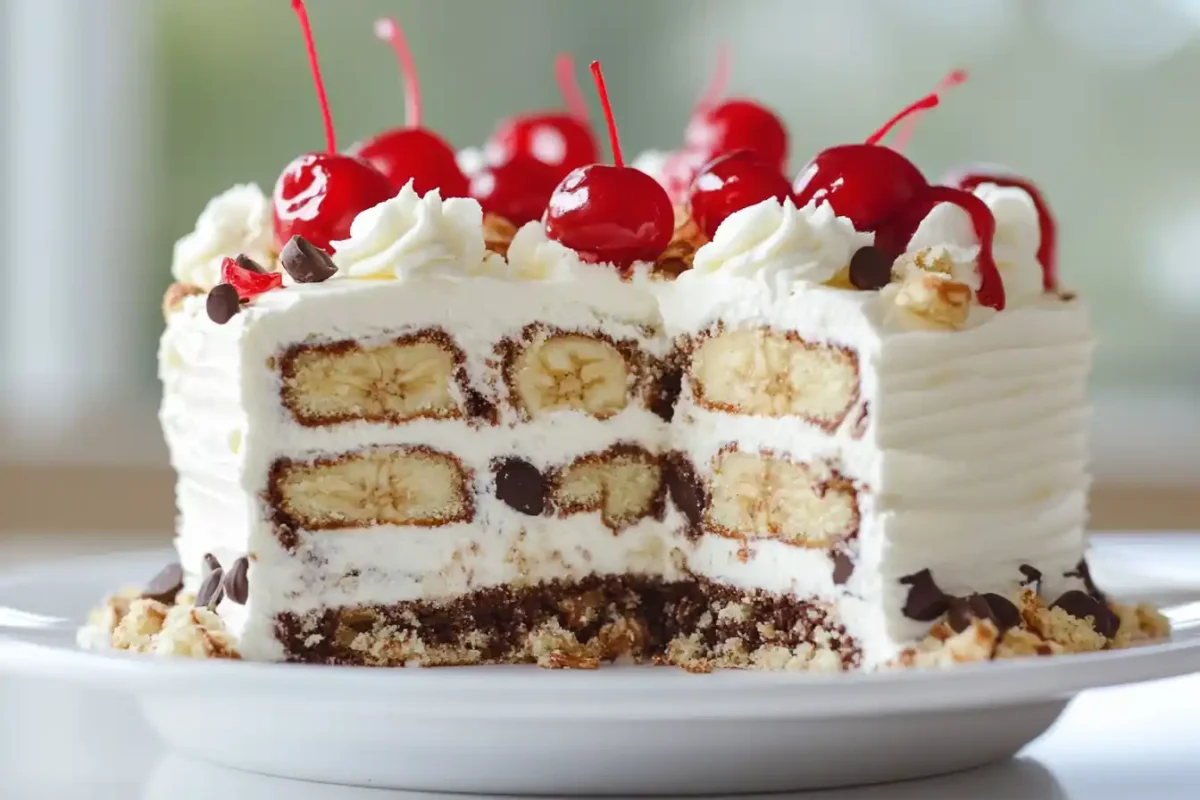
[[528, 155], [319, 194], [610, 214], [412, 152]]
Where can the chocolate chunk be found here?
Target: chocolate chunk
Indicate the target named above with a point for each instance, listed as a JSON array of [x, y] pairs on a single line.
[[306, 262], [843, 567], [479, 407], [926, 602], [1032, 575], [165, 585], [1081, 604], [237, 582], [870, 268], [247, 263], [997, 608], [222, 303], [210, 563], [210, 592], [520, 486], [687, 493], [666, 393]]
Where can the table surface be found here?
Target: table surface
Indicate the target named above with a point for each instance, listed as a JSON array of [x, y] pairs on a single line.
[[61, 741]]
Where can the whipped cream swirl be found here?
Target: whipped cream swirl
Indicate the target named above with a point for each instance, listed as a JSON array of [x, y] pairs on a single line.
[[1014, 245], [411, 235], [532, 256], [235, 222], [781, 244]]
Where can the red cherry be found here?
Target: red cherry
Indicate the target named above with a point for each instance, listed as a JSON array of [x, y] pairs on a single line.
[[730, 183], [247, 282], [412, 153], [971, 177], [866, 183], [562, 140], [517, 189], [319, 194], [739, 125], [615, 214]]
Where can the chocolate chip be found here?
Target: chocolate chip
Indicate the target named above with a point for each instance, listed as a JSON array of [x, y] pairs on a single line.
[[925, 602], [210, 592], [237, 582], [666, 393], [165, 585], [1081, 604], [843, 567], [997, 608], [870, 268], [247, 263], [520, 486], [222, 303], [306, 262], [1032, 575], [687, 493], [210, 563]]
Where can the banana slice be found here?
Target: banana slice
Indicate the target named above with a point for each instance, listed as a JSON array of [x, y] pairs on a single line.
[[571, 371]]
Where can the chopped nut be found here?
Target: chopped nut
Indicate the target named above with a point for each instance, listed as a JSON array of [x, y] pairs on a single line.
[[933, 300], [173, 299], [498, 233]]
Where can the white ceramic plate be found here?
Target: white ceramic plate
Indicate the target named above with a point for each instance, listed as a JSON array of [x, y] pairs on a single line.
[[618, 730]]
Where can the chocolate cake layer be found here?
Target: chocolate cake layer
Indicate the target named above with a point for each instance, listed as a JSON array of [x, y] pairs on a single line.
[[696, 624]]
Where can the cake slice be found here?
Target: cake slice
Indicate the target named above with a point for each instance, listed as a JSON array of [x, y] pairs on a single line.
[[832, 426]]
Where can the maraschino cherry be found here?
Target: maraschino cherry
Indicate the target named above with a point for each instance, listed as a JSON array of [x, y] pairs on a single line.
[[739, 124], [517, 189], [732, 182], [610, 214], [412, 153], [880, 190], [562, 140], [319, 194]]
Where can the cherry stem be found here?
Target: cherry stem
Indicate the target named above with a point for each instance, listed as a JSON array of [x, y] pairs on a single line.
[[564, 74], [389, 31], [717, 84], [602, 90], [904, 134], [927, 102], [315, 67]]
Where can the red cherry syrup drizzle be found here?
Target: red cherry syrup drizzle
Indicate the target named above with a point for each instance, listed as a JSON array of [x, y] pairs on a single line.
[[318, 195], [411, 152], [882, 191], [1047, 253], [610, 214]]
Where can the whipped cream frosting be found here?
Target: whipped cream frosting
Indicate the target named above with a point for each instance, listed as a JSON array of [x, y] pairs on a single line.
[[235, 222], [780, 245], [533, 256], [1014, 245], [411, 235]]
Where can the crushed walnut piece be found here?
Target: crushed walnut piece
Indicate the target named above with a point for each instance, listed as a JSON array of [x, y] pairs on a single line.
[[685, 241], [174, 297], [934, 300], [498, 233]]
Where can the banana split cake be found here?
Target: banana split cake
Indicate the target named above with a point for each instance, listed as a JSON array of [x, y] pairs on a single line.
[[834, 424]]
